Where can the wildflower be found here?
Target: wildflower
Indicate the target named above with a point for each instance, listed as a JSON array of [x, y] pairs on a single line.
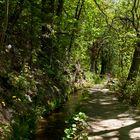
[[18, 99], [13, 97], [3, 103], [9, 46]]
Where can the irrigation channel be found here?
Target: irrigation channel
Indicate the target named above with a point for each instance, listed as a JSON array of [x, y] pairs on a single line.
[[107, 117]]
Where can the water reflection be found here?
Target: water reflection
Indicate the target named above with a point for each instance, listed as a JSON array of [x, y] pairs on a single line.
[[52, 127]]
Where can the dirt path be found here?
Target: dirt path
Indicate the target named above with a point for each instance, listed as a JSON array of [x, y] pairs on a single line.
[[109, 119]]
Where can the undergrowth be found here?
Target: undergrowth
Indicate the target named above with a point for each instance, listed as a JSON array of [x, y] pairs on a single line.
[[78, 128]]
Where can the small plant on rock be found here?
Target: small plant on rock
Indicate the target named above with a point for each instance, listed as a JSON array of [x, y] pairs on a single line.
[[78, 129]]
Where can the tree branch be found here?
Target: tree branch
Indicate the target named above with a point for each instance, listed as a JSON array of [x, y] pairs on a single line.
[[133, 15], [137, 13], [106, 17], [77, 17]]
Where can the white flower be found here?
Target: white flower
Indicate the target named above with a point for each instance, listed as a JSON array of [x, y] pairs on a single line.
[[9, 46]]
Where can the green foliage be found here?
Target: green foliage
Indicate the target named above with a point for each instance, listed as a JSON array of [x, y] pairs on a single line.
[[5, 129], [49, 37], [131, 94], [78, 129], [92, 78], [24, 81], [22, 127], [85, 95], [24, 124]]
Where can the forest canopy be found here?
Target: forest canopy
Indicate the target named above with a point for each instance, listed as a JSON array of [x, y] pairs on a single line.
[[49, 48]]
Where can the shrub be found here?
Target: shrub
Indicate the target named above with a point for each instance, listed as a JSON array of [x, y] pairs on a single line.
[[131, 92], [78, 128]]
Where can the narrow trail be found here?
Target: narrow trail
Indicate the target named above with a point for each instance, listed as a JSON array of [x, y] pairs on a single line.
[[108, 118]]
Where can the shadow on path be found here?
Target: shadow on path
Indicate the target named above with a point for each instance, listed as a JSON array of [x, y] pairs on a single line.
[[110, 119]]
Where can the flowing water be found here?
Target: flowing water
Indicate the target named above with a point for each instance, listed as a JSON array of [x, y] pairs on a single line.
[[52, 127]]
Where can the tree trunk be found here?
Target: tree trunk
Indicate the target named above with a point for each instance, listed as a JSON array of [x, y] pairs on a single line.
[[11, 21], [60, 7], [103, 67], [134, 69], [94, 65], [6, 22], [78, 12], [47, 27]]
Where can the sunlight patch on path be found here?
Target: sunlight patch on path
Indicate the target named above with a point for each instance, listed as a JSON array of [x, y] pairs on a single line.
[[135, 133], [110, 119], [113, 136], [111, 124]]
